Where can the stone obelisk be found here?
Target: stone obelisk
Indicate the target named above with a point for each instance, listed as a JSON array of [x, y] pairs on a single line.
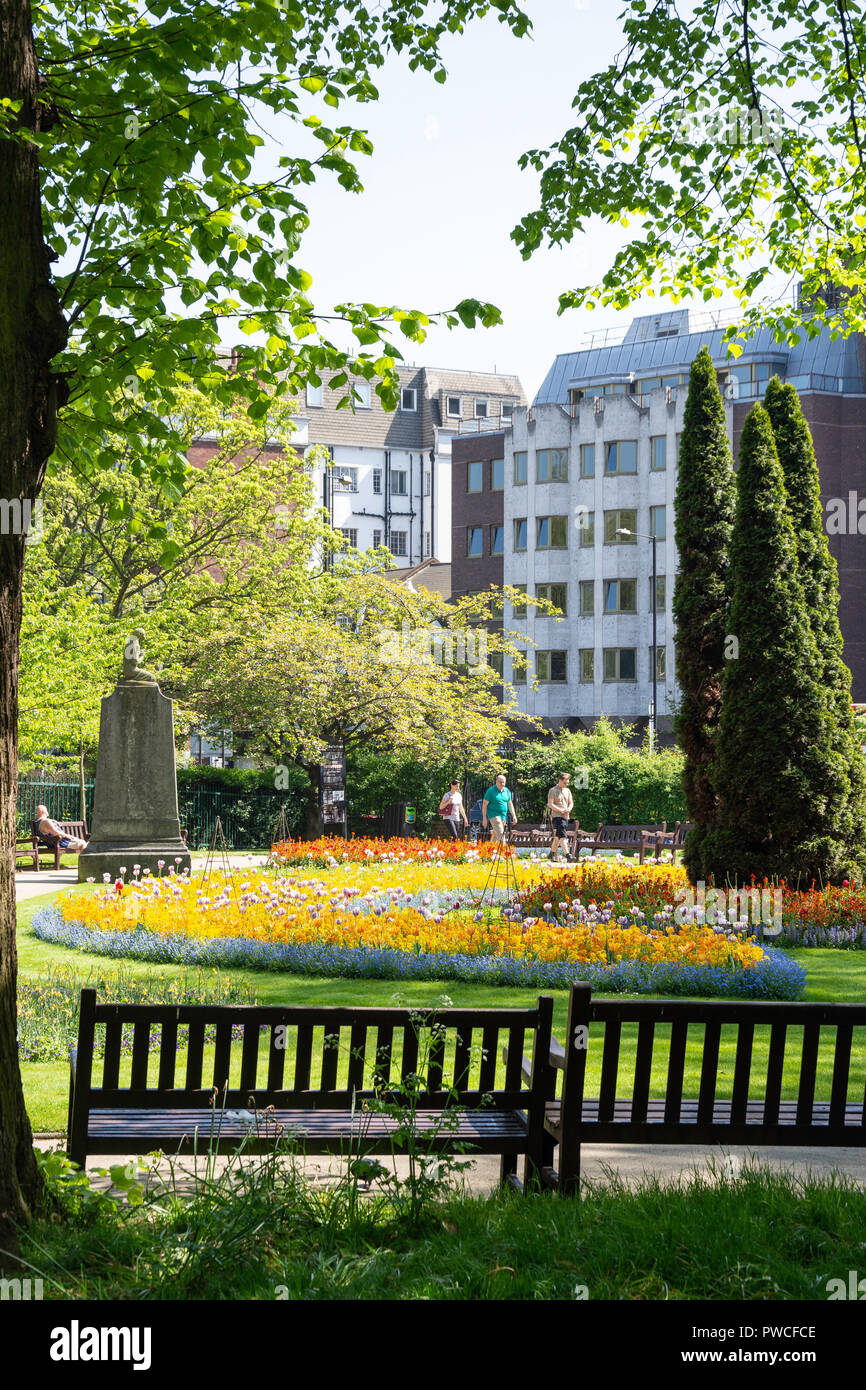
[[135, 818]]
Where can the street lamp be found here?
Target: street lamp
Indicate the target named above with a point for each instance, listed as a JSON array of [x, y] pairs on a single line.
[[641, 535]]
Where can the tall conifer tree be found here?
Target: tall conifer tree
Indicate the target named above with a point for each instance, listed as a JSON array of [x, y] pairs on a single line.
[[704, 515], [820, 580], [776, 773]]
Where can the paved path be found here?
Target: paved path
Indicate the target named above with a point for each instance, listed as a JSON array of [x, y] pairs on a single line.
[[631, 1162]]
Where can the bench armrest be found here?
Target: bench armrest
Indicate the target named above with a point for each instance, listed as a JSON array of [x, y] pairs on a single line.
[[557, 1055]]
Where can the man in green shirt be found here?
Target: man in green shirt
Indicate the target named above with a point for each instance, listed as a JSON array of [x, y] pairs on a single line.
[[497, 806]]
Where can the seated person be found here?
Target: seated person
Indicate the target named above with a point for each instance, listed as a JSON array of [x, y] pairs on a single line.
[[50, 833]]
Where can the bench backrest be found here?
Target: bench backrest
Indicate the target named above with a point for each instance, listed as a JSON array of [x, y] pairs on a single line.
[[304, 1058], [623, 834], [806, 1050]]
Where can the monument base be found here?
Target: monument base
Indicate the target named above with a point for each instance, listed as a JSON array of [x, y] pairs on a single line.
[[109, 857]]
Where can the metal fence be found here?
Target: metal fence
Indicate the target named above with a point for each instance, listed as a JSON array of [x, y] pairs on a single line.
[[62, 796]]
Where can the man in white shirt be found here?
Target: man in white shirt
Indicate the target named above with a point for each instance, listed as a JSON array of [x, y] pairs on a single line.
[[560, 803], [451, 810]]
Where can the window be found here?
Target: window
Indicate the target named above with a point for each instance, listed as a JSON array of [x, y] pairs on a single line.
[[454, 406], [661, 664], [426, 545], [480, 410], [494, 660], [518, 610], [658, 453], [377, 539], [474, 540], [497, 540], [518, 673], [551, 666], [351, 535], [345, 479], [398, 481], [497, 475], [507, 411], [587, 598], [520, 467], [658, 522], [551, 466], [551, 533], [660, 593], [620, 596], [520, 533], [620, 664], [361, 394], [587, 460], [314, 394], [621, 457], [620, 520], [474, 476], [398, 543], [408, 398], [377, 480], [427, 484], [587, 664], [587, 528], [557, 594]]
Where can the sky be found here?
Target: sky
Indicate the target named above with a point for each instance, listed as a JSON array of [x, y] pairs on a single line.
[[442, 192]]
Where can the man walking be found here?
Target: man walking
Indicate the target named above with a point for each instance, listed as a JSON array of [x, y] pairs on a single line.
[[560, 803], [497, 806], [451, 810]]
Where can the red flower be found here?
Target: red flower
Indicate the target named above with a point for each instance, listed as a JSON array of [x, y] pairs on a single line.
[[118, 887]]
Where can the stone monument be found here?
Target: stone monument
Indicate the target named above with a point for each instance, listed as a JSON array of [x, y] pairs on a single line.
[[135, 818]]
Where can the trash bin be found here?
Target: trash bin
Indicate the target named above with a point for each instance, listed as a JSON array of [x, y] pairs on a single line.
[[399, 820]]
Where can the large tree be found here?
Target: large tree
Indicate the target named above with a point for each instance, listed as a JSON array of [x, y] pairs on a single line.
[[776, 770], [128, 136], [704, 510]]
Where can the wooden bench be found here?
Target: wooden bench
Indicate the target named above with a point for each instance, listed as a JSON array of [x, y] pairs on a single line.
[[735, 1103], [673, 840], [621, 837], [34, 846], [315, 1067]]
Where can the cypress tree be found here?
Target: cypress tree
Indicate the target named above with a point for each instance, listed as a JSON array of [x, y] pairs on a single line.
[[704, 511], [776, 773], [820, 580]]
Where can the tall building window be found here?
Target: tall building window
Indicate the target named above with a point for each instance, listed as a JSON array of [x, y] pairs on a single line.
[[345, 479], [620, 519], [497, 475], [398, 543], [661, 664], [426, 482], [621, 456], [520, 533], [587, 598], [398, 481], [351, 534], [551, 666], [551, 533], [620, 664], [426, 545], [518, 672], [377, 539], [377, 480], [658, 452], [519, 467], [658, 522], [587, 460], [620, 596], [474, 476], [474, 540], [551, 466], [557, 594], [586, 528], [518, 610], [497, 540], [480, 410], [507, 411], [587, 664], [659, 594], [314, 394]]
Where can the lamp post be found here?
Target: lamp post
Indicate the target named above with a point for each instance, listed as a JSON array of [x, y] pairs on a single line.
[[640, 535]]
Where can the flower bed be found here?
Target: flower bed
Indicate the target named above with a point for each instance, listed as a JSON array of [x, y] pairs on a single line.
[[309, 926], [329, 852]]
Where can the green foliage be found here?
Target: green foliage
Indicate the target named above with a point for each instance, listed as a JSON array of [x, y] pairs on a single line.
[[704, 512], [776, 771], [624, 785], [375, 780]]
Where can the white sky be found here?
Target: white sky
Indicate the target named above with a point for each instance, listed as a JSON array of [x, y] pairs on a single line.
[[442, 192]]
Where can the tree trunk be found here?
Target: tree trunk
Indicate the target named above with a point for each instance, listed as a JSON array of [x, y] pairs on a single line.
[[82, 789], [32, 331], [312, 827]]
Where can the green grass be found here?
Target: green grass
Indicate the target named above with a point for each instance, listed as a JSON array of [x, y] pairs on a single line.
[[269, 1235], [831, 975]]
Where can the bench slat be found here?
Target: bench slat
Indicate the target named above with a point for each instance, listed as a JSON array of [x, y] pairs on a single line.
[[643, 1068], [276, 1060], [676, 1069], [514, 1058], [808, 1072], [841, 1071], [742, 1071], [709, 1070], [775, 1067]]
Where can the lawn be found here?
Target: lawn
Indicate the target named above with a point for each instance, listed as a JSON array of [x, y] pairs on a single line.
[[833, 975]]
